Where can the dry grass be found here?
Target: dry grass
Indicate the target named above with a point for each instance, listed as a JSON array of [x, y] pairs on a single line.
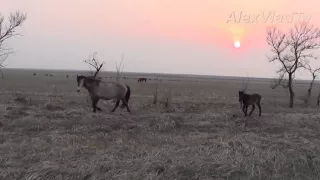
[[203, 136]]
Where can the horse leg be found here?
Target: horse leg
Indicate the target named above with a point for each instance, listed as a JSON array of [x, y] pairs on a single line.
[[94, 104], [246, 109], [99, 109], [253, 107], [243, 107], [259, 106], [126, 104], [116, 105]]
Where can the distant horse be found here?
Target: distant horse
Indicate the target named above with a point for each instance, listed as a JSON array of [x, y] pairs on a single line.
[[51, 75], [105, 90], [46, 75], [34, 74], [67, 76], [142, 79], [249, 99]]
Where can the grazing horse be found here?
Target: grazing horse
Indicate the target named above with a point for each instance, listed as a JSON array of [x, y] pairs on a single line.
[[67, 76], [142, 79], [249, 99], [34, 74], [105, 90]]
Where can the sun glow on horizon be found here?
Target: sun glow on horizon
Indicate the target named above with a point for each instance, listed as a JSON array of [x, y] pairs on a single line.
[[236, 44]]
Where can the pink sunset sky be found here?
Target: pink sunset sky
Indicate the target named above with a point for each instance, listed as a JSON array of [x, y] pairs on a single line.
[[166, 36]]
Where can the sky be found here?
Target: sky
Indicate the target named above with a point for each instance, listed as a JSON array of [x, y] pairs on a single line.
[[158, 36]]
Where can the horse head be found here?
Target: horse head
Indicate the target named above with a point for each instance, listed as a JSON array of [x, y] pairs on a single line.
[[87, 82], [80, 82], [240, 96]]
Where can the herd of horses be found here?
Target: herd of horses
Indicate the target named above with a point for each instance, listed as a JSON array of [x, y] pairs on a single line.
[[119, 91], [34, 74], [142, 79]]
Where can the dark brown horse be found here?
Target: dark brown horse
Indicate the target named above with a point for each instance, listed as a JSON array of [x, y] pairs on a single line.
[[249, 99], [34, 74], [105, 90], [142, 79]]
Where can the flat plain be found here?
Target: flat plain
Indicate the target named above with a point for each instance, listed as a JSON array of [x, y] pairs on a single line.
[[48, 130]]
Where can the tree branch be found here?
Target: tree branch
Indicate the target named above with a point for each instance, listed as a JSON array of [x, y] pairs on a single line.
[[95, 64], [7, 31], [120, 68], [280, 81]]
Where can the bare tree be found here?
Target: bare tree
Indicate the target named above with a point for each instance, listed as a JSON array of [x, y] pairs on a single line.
[[120, 67], [292, 51], [8, 31], [314, 73], [95, 64]]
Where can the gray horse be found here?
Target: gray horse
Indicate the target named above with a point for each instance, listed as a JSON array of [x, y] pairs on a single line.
[[105, 90]]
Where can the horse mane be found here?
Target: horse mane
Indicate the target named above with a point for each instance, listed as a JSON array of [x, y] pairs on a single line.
[[244, 96], [93, 79]]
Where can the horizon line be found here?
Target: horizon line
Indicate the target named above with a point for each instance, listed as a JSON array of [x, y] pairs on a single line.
[[183, 74]]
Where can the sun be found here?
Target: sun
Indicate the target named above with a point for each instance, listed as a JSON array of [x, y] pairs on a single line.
[[237, 44]]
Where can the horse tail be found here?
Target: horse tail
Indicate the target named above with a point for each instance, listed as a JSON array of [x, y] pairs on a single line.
[[127, 97], [128, 93]]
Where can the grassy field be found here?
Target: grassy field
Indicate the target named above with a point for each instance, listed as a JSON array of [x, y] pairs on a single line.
[[48, 131]]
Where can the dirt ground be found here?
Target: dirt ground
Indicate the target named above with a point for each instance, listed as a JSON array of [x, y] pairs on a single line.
[[48, 131]]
